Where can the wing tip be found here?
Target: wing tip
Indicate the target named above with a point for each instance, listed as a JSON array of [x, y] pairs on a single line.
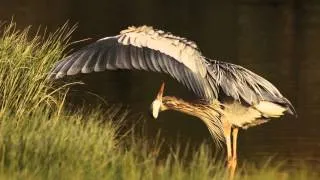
[[55, 76], [290, 109]]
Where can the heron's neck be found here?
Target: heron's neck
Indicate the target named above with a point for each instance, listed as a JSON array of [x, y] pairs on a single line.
[[210, 114], [200, 110]]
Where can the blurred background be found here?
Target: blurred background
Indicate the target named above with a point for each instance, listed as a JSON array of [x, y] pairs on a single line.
[[278, 39]]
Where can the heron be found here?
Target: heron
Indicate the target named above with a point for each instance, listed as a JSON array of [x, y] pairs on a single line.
[[229, 96]]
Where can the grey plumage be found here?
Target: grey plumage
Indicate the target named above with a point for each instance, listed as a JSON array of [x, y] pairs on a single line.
[[145, 48], [110, 55], [244, 85]]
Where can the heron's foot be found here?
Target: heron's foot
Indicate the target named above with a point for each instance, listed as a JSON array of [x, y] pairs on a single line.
[[232, 164]]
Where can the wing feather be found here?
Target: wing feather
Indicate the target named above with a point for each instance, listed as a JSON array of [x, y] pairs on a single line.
[[88, 67], [57, 68], [141, 60], [122, 58], [154, 60], [162, 64], [244, 85], [99, 63], [79, 63], [133, 58], [67, 64], [110, 54], [109, 59], [147, 56]]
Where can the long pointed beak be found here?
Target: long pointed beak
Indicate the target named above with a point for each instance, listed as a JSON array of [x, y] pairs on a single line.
[[160, 93], [156, 104]]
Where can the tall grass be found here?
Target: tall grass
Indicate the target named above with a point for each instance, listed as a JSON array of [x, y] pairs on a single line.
[[40, 140], [24, 64]]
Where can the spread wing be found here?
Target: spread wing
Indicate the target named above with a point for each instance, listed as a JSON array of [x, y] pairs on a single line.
[[148, 49], [142, 48]]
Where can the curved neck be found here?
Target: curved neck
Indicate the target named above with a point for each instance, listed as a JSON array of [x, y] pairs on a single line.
[[209, 113], [200, 110]]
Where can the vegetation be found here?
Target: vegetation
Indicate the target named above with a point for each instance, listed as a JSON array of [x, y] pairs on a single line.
[[41, 140]]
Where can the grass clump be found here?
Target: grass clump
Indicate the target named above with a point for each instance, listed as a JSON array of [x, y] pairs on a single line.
[[39, 140], [24, 64]]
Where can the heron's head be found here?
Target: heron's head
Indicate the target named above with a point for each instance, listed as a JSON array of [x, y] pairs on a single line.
[[157, 105]]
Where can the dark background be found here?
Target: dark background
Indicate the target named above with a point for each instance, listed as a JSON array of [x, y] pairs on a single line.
[[278, 39]]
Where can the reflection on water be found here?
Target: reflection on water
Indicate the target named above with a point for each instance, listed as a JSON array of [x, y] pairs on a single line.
[[279, 40]]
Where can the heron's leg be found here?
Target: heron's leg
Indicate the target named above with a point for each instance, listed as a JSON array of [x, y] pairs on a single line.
[[233, 162], [234, 143], [227, 135]]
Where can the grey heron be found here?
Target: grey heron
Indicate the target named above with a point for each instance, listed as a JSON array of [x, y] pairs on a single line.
[[229, 96]]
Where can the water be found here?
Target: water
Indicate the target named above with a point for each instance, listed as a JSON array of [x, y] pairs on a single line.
[[279, 40]]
